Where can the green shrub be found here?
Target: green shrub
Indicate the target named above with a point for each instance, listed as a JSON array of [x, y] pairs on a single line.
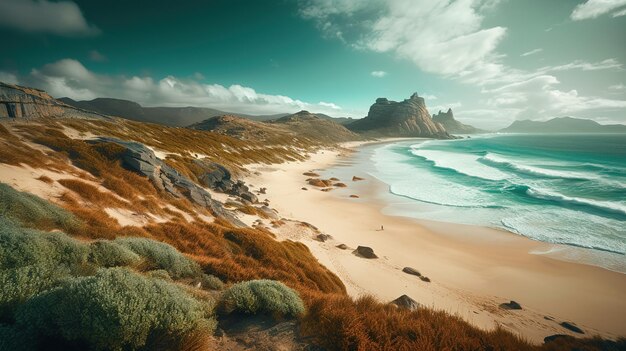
[[106, 253], [211, 282], [21, 284], [262, 296], [23, 247], [115, 309], [162, 256], [160, 274], [33, 211]]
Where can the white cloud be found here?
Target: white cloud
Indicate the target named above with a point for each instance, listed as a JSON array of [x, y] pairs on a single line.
[[60, 18], [620, 86], [595, 8], [532, 52], [540, 97], [441, 37], [429, 97], [378, 74], [70, 78]]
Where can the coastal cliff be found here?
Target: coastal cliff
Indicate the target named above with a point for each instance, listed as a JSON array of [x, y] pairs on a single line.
[[447, 120], [407, 118]]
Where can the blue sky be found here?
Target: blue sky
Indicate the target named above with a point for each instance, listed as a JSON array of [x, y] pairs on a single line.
[[491, 61]]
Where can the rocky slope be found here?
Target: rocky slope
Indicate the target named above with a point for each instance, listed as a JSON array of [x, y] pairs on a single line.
[[17, 102], [447, 120], [408, 118], [563, 125]]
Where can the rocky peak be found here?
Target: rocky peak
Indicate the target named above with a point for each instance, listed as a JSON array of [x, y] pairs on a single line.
[[409, 118], [452, 125]]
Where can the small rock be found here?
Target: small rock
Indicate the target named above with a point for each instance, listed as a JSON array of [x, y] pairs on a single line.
[[572, 327], [303, 188], [310, 174], [342, 246], [327, 189], [413, 271], [366, 252], [323, 237], [334, 179], [425, 279], [550, 338], [262, 190], [511, 305], [355, 178], [354, 196], [405, 301], [340, 185]]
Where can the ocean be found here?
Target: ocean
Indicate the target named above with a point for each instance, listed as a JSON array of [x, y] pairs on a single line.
[[562, 189]]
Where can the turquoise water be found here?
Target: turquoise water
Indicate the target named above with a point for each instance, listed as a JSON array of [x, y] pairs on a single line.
[[564, 189]]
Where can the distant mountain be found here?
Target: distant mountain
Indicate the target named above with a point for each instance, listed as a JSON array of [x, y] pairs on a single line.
[[563, 125], [170, 116], [408, 118], [298, 125], [446, 119]]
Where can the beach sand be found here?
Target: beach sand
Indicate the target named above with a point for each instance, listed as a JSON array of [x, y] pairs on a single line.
[[472, 269]]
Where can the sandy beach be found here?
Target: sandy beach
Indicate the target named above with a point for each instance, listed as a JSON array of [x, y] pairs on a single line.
[[472, 269]]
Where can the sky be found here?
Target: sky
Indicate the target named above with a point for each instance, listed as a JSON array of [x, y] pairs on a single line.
[[491, 61]]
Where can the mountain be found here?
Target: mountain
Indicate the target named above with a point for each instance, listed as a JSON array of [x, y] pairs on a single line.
[[169, 116], [408, 118], [563, 125], [314, 126], [18, 102], [446, 119], [302, 124]]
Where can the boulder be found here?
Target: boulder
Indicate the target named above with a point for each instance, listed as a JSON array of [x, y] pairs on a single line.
[[334, 179], [425, 279], [310, 174], [342, 246], [355, 178], [512, 305], [340, 185], [303, 188], [320, 182], [405, 301], [554, 337], [366, 252], [572, 327], [323, 237], [409, 270], [268, 212], [354, 196], [248, 196]]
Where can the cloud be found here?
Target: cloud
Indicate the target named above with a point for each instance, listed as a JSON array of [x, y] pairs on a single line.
[[532, 52], [429, 97], [96, 56], [9, 78], [540, 96], [595, 8], [378, 74], [68, 77], [620, 86], [60, 18]]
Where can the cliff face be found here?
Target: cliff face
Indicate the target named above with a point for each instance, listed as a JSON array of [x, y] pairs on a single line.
[[408, 118], [446, 119], [17, 102]]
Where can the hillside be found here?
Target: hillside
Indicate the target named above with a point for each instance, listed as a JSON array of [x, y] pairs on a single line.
[[408, 118], [453, 126], [563, 125], [122, 235], [299, 126]]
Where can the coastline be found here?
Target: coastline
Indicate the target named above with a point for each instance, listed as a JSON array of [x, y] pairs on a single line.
[[472, 269]]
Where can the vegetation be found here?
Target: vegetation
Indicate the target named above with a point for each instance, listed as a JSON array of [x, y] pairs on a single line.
[[262, 296]]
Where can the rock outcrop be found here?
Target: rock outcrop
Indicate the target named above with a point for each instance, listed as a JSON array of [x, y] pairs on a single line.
[[512, 305], [408, 118], [446, 119], [17, 102], [140, 159], [407, 302]]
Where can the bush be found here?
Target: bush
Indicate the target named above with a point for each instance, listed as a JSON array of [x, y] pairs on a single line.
[[262, 296], [111, 254], [33, 211], [20, 284], [115, 309], [211, 282], [15, 339], [162, 256], [21, 247]]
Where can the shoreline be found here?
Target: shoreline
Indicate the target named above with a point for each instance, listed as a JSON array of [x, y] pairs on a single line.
[[472, 269]]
